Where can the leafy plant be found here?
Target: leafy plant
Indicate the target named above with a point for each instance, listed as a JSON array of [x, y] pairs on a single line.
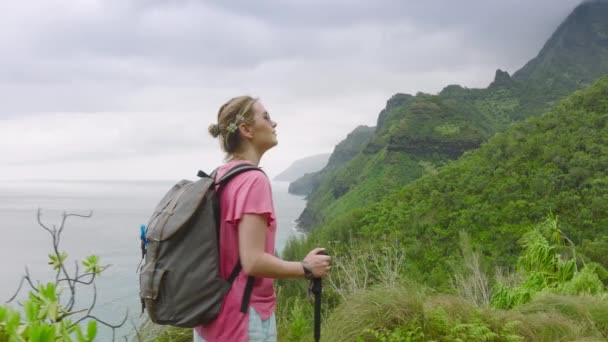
[[544, 269], [45, 316]]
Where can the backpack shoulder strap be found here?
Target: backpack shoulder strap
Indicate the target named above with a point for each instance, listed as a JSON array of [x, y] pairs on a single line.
[[235, 171]]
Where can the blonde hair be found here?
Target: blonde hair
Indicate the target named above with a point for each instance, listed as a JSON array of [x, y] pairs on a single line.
[[236, 111]]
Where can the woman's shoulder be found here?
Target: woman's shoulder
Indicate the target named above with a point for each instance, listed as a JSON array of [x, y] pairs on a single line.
[[251, 176]]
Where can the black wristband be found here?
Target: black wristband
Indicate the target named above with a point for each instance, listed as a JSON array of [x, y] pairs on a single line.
[[307, 271]]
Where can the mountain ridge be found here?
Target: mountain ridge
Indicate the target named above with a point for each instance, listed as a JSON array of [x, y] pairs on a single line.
[[428, 131], [303, 166]]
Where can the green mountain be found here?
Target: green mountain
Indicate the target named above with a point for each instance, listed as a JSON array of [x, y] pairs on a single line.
[[345, 151], [417, 135], [572, 58], [493, 163], [575, 54], [555, 164]]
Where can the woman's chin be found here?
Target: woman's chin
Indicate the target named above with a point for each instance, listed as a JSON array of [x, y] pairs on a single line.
[[271, 145]]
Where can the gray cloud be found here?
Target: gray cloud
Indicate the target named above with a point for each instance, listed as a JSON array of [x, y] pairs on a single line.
[[157, 66], [245, 34]]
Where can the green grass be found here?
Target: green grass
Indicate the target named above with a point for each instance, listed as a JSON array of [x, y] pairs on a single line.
[[150, 332], [404, 313]]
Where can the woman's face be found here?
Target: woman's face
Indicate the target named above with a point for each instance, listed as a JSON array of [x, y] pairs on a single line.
[[264, 129]]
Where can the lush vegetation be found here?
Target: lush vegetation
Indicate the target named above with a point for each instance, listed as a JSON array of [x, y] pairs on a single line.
[[342, 154], [552, 295], [434, 129], [555, 163], [551, 284], [574, 56]]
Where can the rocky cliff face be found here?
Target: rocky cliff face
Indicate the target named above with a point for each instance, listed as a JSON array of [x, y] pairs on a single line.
[[343, 152], [351, 146]]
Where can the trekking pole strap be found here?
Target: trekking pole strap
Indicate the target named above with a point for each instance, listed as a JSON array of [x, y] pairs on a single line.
[[235, 272], [247, 294], [248, 287]]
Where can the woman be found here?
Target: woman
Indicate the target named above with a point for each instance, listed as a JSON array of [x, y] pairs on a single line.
[[248, 228]]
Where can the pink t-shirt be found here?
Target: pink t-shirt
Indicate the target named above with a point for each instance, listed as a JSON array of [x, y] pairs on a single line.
[[247, 193]]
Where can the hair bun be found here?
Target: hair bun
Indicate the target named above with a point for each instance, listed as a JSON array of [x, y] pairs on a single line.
[[214, 130]]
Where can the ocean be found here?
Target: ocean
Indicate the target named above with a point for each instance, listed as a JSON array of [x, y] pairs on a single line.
[[118, 209]]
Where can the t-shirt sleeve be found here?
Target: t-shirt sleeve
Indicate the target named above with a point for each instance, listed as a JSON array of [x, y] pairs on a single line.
[[251, 194]]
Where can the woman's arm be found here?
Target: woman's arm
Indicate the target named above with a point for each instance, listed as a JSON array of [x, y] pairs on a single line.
[[256, 262]]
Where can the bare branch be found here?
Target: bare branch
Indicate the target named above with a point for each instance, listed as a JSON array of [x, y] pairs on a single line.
[[27, 278], [63, 276], [16, 292], [94, 300], [56, 237], [71, 285], [109, 325], [39, 214], [66, 215], [57, 274], [114, 326], [78, 279], [90, 309], [136, 331], [71, 313], [89, 215]]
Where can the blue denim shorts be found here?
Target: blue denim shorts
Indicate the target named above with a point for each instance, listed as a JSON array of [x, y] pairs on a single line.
[[259, 330]]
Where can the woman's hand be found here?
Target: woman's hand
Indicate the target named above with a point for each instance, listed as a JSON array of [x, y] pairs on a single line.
[[256, 262], [319, 264]]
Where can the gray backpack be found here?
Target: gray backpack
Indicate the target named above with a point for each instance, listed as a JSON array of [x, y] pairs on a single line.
[[180, 282]]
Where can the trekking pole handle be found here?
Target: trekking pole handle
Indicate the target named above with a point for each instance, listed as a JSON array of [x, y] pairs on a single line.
[[316, 282], [320, 253]]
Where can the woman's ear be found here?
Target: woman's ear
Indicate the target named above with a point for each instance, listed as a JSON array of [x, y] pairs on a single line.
[[246, 130]]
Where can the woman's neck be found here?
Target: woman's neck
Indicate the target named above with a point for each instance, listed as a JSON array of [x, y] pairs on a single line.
[[249, 155]]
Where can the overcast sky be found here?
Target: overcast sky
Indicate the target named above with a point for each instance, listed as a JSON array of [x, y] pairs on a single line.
[[125, 89]]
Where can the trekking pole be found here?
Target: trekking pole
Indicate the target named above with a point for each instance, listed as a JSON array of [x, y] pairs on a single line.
[[317, 289]]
